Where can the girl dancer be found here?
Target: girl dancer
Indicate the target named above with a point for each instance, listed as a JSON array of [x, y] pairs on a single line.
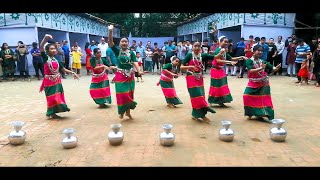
[[193, 64], [166, 82], [124, 78], [51, 83]]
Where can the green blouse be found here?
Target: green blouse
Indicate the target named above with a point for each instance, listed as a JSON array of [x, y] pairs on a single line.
[[93, 61], [216, 52], [189, 57], [249, 64], [167, 66], [124, 61], [45, 58]]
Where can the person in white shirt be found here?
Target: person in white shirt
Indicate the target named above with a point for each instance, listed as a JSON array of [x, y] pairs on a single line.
[[103, 46], [280, 48]]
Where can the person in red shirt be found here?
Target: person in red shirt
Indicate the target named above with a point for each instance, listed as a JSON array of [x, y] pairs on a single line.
[[248, 53]]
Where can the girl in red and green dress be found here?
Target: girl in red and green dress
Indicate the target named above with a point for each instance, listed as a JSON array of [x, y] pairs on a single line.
[[51, 83], [100, 86], [219, 92], [193, 64], [124, 78], [166, 82], [257, 98]]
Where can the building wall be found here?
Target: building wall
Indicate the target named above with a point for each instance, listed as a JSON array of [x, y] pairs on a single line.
[[56, 21], [234, 35], [224, 20]]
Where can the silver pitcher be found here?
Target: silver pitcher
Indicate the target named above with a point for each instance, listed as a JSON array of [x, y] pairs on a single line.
[[277, 133], [69, 141], [167, 138], [17, 136], [226, 134], [116, 136]]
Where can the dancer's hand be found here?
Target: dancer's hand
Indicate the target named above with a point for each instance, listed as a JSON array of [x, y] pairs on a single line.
[[110, 27], [264, 65], [233, 63], [278, 66], [176, 76], [141, 73], [48, 36], [75, 76], [223, 50]]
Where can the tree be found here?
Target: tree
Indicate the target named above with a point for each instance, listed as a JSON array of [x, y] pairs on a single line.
[[147, 24]]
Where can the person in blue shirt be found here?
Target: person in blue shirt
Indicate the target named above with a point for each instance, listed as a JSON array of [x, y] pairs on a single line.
[[265, 48], [170, 50], [66, 51], [37, 59], [93, 46]]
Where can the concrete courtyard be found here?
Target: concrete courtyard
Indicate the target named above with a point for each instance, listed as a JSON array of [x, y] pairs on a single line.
[[196, 144]]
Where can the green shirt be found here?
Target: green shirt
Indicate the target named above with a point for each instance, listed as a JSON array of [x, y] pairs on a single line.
[[45, 58], [124, 61], [227, 56], [93, 61], [167, 66], [249, 64], [189, 57]]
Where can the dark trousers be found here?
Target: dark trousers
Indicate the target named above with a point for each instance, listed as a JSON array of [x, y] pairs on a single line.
[[24, 74], [66, 61], [278, 60], [317, 76], [38, 66], [155, 62], [205, 64], [298, 67], [168, 60]]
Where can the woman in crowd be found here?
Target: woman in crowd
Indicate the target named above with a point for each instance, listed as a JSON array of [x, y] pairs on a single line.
[[88, 57], [8, 62]]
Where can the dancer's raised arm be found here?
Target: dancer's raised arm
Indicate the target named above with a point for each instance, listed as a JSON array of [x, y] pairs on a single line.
[[44, 41], [110, 36]]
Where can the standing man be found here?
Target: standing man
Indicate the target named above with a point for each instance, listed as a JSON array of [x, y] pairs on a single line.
[[170, 50], [280, 47], [248, 53], [133, 47], [205, 49], [265, 48], [60, 57], [302, 53], [142, 50], [66, 51], [93, 46], [103, 46]]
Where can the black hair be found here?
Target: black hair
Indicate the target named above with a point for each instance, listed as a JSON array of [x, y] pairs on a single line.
[[20, 42], [257, 47], [34, 44], [166, 42], [222, 39], [95, 50], [87, 45], [263, 38], [271, 38], [48, 46], [257, 39], [137, 53], [134, 41], [299, 40], [230, 40], [280, 36], [206, 40], [2, 47], [242, 39], [174, 58], [155, 43], [124, 37], [251, 36]]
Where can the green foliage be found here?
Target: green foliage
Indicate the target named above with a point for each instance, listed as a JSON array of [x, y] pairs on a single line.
[[148, 25]]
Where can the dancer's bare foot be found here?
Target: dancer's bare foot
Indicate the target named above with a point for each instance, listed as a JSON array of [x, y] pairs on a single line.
[[249, 118], [317, 85], [129, 115], [54, 116], [206, 120], [171, 106], [102, 106], [196, 119], [222, 105], [121, 116]]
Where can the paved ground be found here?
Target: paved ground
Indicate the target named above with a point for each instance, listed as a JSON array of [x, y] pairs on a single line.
[[197, 144]]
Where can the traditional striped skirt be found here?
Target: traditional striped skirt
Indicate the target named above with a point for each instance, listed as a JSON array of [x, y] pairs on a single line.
[[169, 90], [124, 92], [54, 94], [196, 91], [257, 100], [100, 89], [219, 91]]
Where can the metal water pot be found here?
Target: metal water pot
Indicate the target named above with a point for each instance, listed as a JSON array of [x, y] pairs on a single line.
[[17, 136], [277, 133], [116, 136], [226, 134], [69, 141], [167, 138]]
